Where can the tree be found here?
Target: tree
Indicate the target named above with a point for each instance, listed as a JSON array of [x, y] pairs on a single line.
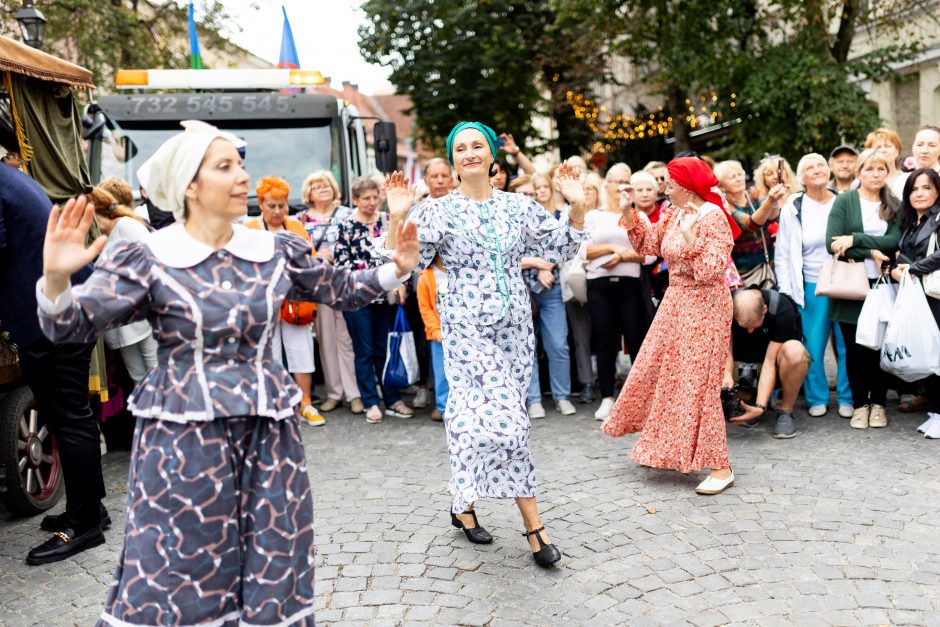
[[774, 70], [488, 61], [104, 35]]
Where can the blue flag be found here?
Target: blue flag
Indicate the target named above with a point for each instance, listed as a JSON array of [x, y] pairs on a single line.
[[288, 58], [195, 57]]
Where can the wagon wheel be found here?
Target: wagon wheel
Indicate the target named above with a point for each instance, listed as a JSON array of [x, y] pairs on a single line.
[[30, 454]]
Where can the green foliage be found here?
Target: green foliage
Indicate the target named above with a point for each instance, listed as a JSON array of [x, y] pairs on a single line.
[[104, 35], [487, 60], [798, 102]]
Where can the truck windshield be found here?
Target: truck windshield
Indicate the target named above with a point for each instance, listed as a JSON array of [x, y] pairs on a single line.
[[291, 152]]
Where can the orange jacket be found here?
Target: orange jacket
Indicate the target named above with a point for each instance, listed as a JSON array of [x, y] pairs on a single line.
[[427, 303], [293, 225]]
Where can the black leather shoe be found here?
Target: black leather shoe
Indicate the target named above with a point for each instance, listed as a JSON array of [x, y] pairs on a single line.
[[57, 522], [64, 544], [586, 396], [477, 534], [548, 554]]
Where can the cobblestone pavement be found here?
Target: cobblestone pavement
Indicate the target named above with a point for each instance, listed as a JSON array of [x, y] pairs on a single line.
[[836, 526]]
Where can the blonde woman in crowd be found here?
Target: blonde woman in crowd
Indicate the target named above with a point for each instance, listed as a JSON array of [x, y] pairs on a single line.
[[766, 179], [889, 142], [321, 220], [863, 226]]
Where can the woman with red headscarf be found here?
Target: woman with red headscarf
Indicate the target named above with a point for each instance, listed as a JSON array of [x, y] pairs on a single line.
[[673, 393]]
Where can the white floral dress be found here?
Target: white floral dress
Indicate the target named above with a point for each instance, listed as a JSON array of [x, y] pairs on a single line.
[[486, 331]]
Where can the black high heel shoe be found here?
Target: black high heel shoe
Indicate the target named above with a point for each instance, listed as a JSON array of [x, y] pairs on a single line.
[[477, 534], [548, 554]]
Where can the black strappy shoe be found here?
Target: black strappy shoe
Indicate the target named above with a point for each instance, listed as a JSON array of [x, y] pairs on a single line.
[[477, 534], [548, 554]]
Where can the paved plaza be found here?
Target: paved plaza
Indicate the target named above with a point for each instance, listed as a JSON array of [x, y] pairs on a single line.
[[834, 527]]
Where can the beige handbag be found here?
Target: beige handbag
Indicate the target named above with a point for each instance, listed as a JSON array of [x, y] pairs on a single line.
[[847, 280]]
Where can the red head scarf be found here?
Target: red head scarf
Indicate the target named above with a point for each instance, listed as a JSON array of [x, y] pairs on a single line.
[[694, 174]]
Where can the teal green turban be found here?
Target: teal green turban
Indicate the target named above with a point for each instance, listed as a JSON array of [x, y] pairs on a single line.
[[488, 133]]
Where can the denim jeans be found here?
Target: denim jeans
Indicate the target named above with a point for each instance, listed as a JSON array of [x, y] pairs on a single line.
[[553, 327], [816, 330], [368, 328], [440, 378]]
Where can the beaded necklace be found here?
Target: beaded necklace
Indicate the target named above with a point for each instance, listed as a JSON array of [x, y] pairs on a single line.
[[496, 244]]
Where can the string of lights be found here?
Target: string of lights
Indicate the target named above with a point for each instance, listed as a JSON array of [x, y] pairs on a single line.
[[613, 129]]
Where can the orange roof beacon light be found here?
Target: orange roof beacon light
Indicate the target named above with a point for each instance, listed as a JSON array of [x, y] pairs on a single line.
[[279, 78]]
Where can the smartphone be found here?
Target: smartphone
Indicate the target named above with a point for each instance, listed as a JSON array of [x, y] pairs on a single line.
[[780, 171], [500, 142]]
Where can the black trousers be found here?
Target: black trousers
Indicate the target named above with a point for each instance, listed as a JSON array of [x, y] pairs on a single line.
[[617, 310], [416, 322], [863, 365], [58, 377]]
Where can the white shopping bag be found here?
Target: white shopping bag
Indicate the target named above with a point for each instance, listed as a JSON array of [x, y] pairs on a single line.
[[873, 321], [911, 348]]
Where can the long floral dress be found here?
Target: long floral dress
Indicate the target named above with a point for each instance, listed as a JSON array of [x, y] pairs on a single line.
[[673, 392], [486, 332]]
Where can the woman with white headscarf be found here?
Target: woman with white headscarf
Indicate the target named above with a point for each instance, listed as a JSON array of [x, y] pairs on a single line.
[[220, 512]]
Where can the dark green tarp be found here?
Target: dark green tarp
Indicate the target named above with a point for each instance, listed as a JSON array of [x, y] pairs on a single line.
[[53, 128]]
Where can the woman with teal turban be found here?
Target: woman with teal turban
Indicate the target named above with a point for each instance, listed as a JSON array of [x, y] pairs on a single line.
[[481, 234]]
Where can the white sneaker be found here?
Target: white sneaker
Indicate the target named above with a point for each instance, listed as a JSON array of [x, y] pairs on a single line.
[[933, 430], [422, 399], [715, 486], [846, 410], [565, 408], [817, 410], [931, 427], [536, 410], [604, 410]]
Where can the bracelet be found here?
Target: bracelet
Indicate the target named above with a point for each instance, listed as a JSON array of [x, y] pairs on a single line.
[[759, 406]]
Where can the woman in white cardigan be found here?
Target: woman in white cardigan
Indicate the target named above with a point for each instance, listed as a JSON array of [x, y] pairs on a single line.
[[800, 252]]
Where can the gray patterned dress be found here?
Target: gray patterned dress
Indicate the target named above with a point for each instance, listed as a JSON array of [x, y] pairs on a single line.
[[486, 331], [220, 512]]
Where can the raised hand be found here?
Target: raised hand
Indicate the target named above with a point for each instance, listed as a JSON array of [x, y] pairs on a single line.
[[569, 184], [407, 249], [398, 195], [64, 251], [509, 144]]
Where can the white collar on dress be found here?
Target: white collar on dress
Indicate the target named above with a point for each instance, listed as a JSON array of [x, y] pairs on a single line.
[[175, 247]]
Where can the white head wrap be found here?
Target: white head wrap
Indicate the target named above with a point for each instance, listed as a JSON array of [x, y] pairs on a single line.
[[166, 175]]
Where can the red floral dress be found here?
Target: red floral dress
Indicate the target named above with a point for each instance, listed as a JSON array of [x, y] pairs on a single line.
[[673, 393]]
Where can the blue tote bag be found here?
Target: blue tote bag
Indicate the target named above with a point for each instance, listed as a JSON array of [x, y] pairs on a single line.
[[401, 359]]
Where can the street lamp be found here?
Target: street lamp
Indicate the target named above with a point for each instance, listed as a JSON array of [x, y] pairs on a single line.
[[32, 23]]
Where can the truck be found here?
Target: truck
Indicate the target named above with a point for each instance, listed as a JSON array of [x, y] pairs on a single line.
[[289, 133]]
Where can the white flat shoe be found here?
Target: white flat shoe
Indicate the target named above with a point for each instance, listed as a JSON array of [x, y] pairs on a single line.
[[711, 485]]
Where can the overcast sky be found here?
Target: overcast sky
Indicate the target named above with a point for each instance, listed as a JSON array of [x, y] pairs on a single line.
[[325, 32]]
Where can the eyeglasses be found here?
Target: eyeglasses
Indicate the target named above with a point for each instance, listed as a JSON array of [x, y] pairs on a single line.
[[321, 188], [661, 179], [619, 182]]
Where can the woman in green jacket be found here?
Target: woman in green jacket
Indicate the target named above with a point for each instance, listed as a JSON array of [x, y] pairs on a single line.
[[863, 225]]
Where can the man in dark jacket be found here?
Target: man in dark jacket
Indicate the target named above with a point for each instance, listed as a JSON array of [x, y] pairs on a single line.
[[56, 373]]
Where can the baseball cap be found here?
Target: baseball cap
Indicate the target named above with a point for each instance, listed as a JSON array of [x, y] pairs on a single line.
[[843, 148]]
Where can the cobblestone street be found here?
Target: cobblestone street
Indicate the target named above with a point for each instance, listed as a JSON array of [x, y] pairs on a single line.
[[836, 526]]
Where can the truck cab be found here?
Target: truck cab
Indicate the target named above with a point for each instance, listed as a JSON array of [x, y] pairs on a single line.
[[290, 135]]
